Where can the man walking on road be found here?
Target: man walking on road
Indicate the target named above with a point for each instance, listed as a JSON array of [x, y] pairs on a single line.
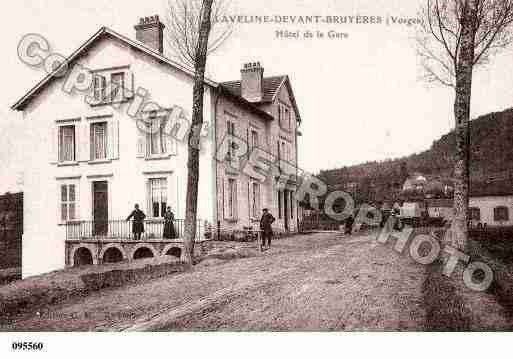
[[267, 230]]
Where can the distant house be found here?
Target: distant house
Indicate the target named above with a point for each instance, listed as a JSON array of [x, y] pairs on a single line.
[[416, 182], [440, 208], [491, 203]]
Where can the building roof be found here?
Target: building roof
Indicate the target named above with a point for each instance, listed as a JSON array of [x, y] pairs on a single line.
[[101, 33], [271, 86], [230, 92], [492, 188], [440, 202]]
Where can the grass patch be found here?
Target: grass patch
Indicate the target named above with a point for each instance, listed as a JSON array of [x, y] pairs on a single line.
[[445, 309]]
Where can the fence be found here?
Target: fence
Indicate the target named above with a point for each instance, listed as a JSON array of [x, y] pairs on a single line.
[[122, 229]]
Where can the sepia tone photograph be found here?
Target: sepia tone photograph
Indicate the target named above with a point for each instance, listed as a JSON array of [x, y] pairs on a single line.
[[230, 166]]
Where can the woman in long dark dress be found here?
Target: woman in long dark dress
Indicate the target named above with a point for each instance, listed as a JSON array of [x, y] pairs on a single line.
[[169, 225]]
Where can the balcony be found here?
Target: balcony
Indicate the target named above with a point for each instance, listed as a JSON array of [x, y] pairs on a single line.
[[121, 230]]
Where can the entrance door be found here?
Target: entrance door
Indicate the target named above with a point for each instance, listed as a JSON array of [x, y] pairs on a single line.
[[100, 208], [286, 209]]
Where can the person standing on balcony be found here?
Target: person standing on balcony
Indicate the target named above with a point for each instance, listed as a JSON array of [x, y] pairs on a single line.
[[267, 230], [169, 225], [138, 223]]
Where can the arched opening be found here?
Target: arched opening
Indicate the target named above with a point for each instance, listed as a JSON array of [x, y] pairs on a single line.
[[112, 255], [175, 252], [143, 252], [82, 257]]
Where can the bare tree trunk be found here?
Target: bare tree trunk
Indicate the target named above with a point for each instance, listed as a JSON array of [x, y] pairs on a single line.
[[459, 228], [191, 205]]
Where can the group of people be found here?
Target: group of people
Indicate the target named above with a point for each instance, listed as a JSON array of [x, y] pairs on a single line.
[[138, 217]]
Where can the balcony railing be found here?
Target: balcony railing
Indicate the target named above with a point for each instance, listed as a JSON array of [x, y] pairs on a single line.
[[122, 229]]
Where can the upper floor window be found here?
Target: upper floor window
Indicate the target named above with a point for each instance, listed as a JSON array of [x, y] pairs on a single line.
[[99, 88], [68, 202], [98, 140], [112, 85], [284, 117], [156, 139], [254, 139], [475, 213], [500, 213], [67, 143], [117, 83], [230, 127]]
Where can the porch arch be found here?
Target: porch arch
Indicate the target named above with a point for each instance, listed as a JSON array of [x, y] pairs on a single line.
[[173, 249], [143, 248], [93, 250], [82, 256], [112, 246]]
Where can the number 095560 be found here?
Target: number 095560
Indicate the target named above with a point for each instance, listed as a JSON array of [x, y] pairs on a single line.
[[35, 346]]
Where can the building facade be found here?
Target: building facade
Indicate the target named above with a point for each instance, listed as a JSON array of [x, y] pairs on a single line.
[[98, 151]]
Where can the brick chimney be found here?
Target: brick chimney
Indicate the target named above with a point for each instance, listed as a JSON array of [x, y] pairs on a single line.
[[150, 31], [252, 79]]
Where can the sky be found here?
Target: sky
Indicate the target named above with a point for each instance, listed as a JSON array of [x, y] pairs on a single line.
[[360, 97]]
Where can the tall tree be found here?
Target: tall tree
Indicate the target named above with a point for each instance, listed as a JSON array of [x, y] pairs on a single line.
[[189, 27], [454, 37], [183, 22]]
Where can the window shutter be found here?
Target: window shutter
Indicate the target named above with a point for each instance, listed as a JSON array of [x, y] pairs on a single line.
[[235, 201], [77, 130], [223, 200], [77, 202], [149, 212], [226, 197], [170, 145], [141, 141], [54, 145], [113, 139], [129, 85], [84, 153]]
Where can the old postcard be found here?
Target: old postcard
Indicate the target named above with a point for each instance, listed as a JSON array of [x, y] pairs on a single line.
[[240, 166]]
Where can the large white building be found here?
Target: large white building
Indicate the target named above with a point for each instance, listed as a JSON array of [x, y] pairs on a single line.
[[96, 152]]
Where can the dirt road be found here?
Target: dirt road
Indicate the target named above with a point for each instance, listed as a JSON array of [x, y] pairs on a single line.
[[309, 282]]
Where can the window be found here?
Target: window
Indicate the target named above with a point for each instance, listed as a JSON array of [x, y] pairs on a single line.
[[254, 139], [156, 139], [500, 213], [475, 213], [232, 198], [68, 202], [231, 132], [279, 205], [117, 83], [285, 151], [112, 85], [255, 196], [158, 197], [98, 140], [99, 88], [67, 143], [284, 117]]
